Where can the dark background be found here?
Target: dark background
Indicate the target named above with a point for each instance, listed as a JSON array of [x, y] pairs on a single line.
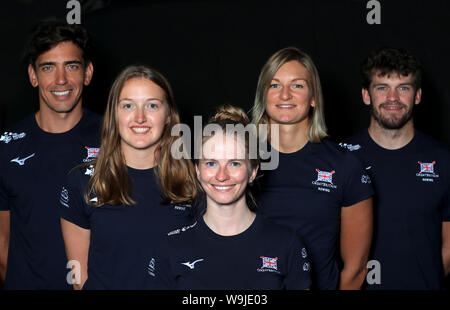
[[212, 52]]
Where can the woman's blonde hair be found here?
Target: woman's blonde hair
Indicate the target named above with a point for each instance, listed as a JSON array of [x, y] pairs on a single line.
[[317, 127], [110, 182]]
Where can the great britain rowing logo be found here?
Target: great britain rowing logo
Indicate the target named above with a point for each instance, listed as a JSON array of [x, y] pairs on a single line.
[[324, 180], [427, 171], [427, 167], [269, 264], [92, 153], [325, 176]]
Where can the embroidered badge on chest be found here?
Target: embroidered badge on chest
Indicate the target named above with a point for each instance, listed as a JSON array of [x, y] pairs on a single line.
[[269, 264], [324, 181], [92, 153], [427, 171]]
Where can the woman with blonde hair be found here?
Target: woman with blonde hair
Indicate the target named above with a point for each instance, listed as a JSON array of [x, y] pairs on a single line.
[[134, 192], [230, 246], [317, 188]]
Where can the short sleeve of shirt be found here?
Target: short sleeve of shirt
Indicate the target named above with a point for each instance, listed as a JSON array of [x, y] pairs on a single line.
[[71, 201], [357, 183], [299, 267]]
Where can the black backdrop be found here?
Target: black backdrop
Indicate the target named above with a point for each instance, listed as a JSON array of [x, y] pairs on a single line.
[[212, 52]]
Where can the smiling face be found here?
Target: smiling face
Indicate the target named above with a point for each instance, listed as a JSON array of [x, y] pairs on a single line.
[[142, 115], [289, 97], [392, 98], [223, 171], [60, 73]]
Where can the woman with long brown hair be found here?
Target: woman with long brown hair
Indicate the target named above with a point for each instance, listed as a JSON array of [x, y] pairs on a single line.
[[124, 202]]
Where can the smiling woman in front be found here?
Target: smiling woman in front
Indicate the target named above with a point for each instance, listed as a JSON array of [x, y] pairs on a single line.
[[230, 246]]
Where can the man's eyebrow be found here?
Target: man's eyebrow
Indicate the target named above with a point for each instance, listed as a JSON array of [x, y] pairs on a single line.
[[73, 62], [401, 84], [52, 63], [47, 63]]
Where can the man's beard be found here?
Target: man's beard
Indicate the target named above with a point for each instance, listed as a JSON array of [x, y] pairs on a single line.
[[392, 122]]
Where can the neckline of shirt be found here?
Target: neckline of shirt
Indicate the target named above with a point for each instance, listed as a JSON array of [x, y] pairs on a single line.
[[61, 134], [304, 149], [404, 149], [252, 228], [140, 172]]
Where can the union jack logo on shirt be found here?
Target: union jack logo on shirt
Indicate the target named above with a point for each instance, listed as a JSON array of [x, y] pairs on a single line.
[[325, 176], [269, 262], [92, 151], [427, 167]]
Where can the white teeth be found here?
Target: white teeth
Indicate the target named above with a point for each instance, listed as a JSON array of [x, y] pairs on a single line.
[[222, 187], [286, 106], [140, 129], [61, 93]]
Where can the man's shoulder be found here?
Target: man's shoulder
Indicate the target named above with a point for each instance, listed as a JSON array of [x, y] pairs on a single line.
[[91, 119], [430, 141], [87, 131], [17, 132], [356, 141], [428, 144]]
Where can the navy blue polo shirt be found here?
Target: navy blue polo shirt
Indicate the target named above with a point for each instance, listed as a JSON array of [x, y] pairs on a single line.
[[412, 199], [306, 192], [264, 256], [33, 163], [121, 235]]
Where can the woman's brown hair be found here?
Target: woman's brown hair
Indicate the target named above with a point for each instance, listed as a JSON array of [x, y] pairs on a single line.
[[110, 182]]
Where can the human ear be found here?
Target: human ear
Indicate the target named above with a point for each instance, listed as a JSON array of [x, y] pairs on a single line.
[[32, 76]]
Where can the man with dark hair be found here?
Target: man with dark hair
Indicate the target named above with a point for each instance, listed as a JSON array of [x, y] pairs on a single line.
[[410, 173], [38, 152]]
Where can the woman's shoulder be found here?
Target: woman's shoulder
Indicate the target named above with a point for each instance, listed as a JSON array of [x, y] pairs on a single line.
[[333, 152], [182, 233], [272, 229]]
